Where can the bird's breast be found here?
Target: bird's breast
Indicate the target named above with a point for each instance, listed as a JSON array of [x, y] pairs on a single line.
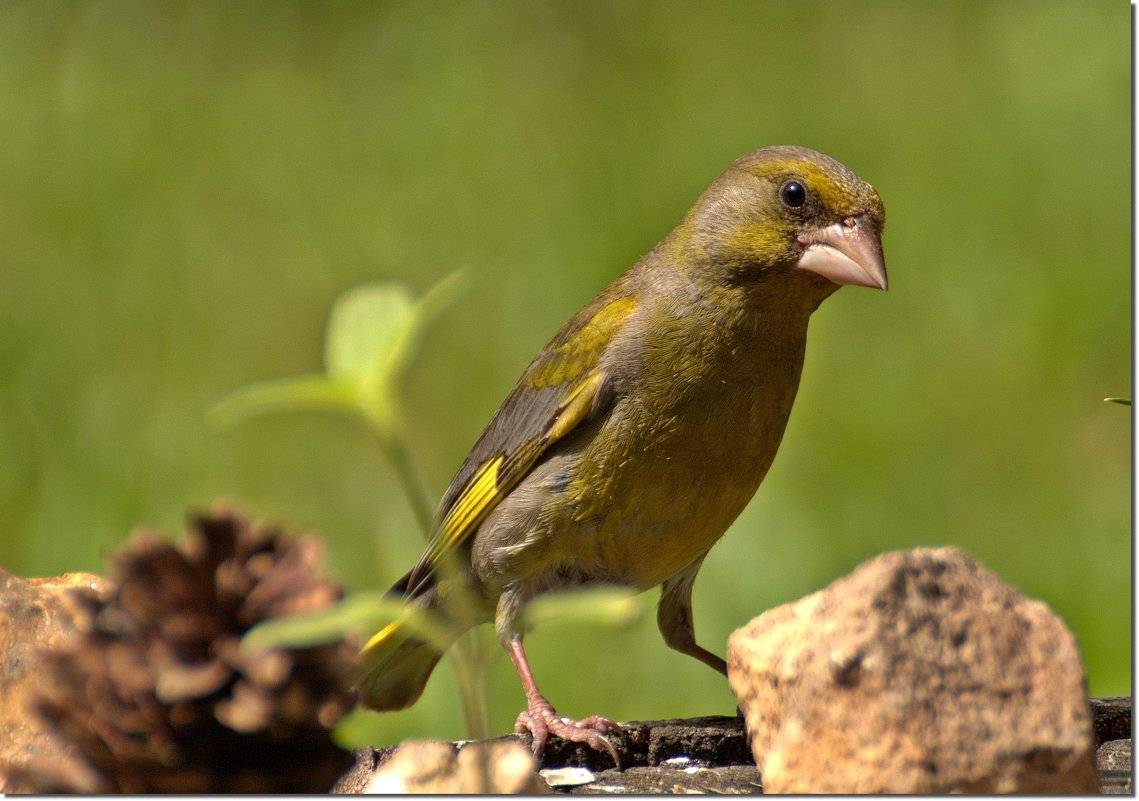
[[679, 458]]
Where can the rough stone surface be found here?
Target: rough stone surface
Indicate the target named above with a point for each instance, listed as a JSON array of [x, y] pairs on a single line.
[[710, 755], [36, 615], [725, 780], [713, 740], [919, 672], [438, 768], [1113, 761], [1112, 718]]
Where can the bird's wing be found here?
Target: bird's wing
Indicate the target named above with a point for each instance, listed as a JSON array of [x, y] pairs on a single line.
[[561, 389]]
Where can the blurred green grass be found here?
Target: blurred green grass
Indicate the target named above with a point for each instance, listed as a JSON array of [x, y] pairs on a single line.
[[187, 187]]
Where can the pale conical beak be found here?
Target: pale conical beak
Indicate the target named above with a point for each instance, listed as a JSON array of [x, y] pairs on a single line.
[[848, 252]]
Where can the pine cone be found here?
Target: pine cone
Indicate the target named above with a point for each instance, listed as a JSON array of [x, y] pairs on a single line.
[[157, 695]]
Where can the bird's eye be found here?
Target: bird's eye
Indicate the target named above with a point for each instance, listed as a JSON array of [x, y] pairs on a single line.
[[793, 193]]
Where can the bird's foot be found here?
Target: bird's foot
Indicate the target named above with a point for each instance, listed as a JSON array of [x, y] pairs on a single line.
[[541, 721]]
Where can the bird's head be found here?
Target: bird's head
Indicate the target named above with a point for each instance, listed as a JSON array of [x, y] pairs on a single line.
[[790, 212]]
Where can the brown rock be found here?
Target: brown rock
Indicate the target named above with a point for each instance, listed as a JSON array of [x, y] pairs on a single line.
[[439, 768], [918, 672], [36, 615]]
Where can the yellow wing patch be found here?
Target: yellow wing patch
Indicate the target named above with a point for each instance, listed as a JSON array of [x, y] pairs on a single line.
[[568, 360], [482, 493], [498, 476], [387, 631], [575, 409]]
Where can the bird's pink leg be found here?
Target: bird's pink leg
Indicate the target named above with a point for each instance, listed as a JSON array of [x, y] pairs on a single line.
[[541, 720]]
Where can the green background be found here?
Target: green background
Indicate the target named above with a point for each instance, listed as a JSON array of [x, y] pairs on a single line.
[[185, 188]]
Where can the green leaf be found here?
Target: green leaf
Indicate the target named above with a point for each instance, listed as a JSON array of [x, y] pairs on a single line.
[[367, 611], [607, 605], [361, 611], [373, 334], [1120, 401], [445, 292], [363, 328], [359, 728], [304, 393], [426, 624]]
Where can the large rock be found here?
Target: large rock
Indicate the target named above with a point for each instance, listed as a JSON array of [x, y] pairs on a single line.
[[920, 672]]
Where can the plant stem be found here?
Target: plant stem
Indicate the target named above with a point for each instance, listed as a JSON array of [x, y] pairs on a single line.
[[469, 671], [464, 656], [400, 459]]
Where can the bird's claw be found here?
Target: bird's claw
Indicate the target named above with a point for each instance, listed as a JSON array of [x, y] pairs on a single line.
[[541, 721]]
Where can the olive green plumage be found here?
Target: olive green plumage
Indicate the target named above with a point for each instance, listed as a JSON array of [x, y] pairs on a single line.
[[644, 427]]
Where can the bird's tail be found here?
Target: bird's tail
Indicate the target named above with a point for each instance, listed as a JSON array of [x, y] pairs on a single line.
[[393, 667]]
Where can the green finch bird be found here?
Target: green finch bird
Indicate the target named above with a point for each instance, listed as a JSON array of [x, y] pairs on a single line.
[[643, 428]]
